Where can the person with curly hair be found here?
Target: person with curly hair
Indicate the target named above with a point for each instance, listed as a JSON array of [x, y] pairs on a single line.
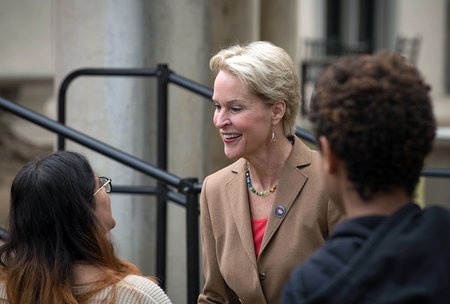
[[57, 250], [373, 118]]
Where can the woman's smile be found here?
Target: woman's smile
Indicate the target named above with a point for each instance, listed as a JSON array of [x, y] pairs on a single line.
[[230, 137]]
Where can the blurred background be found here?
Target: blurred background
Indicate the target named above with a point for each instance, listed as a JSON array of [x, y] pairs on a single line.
[[43, 41]]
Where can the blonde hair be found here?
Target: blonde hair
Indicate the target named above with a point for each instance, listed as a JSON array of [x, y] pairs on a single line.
[[267, 70]]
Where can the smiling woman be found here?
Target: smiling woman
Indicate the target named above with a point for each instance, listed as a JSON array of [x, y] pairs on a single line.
[[58, 250], [271, 202]]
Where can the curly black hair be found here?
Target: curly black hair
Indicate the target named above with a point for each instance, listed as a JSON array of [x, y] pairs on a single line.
[[376, 112]]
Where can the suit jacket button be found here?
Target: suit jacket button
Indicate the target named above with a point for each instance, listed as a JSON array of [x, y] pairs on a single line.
[[262, 276]]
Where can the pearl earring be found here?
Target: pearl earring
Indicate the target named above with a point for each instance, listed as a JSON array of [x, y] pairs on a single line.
[[274, 136]]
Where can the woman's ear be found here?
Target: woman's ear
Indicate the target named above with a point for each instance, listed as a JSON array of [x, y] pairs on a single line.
[[278, 110], [329, 159]]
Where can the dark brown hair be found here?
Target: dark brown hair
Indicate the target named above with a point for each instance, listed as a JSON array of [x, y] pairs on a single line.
[[52, 225], [376, 112]]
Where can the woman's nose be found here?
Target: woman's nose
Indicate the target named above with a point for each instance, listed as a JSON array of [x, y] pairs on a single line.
[[220, 119]]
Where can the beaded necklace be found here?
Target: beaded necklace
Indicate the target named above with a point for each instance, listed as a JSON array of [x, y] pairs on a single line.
[[253, 190]]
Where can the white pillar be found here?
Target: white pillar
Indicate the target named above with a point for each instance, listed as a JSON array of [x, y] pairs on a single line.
[[279, 24], [115, 110]]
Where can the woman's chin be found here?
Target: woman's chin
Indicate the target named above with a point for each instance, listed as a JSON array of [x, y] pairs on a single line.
[[112, 225], [231, 155], [109, 226]]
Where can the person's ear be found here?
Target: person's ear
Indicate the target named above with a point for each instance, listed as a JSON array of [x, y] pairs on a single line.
[[329, 159], [278, 110]]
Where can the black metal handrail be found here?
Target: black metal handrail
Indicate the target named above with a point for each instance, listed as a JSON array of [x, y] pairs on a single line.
[[435, 172], [90, 142]]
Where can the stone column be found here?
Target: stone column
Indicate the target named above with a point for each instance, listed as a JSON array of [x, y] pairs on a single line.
[[279, 24], [116, 110]]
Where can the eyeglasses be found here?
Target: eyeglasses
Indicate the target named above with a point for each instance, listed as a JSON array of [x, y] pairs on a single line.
[[105, 183]]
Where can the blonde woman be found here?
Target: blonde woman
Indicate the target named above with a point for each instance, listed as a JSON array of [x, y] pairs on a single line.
[[268, 211]]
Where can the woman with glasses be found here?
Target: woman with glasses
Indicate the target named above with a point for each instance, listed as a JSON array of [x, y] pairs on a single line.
[[58, 250]]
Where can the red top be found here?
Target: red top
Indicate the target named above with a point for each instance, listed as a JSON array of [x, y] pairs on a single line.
[[258, 227]]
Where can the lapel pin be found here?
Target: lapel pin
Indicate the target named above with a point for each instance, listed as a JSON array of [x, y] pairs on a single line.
[[280, 211]]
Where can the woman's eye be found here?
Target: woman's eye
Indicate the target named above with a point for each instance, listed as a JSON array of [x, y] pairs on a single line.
[[236, 109], [217, 106]]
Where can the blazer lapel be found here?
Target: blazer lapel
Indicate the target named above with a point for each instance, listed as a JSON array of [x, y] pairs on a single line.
[[290, 185], [239, 206]]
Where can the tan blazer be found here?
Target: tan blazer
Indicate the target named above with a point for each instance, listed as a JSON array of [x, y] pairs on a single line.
[[232, 272]]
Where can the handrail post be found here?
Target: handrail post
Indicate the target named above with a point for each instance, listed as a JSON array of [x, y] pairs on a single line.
[[61, 143], [161, 218], [192, 238]]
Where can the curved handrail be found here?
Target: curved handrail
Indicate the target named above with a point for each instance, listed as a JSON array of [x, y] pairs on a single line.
[[141, 72]]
